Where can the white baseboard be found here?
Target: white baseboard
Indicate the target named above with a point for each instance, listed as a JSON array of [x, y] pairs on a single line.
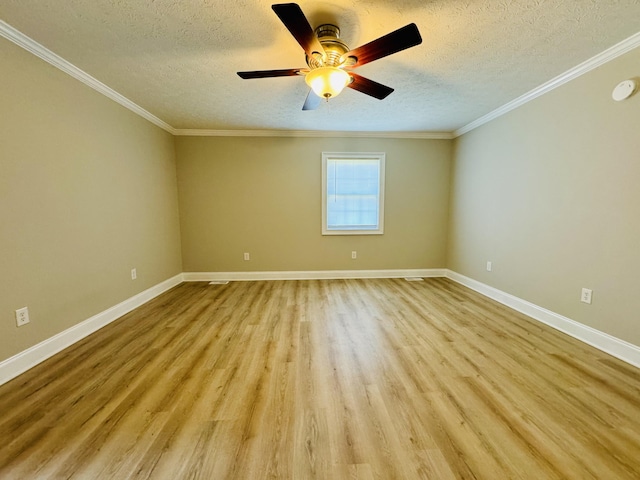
[[23, 361], [625, 351], [312, 275]]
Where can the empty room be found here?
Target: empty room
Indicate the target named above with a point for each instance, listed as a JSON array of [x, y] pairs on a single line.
[[319, 240]]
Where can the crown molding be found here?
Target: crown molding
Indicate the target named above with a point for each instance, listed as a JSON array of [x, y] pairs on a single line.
[[594, 62], [311, 133], [20, 39]]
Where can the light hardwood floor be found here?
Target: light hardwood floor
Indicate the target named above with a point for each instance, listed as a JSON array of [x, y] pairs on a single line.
[[330, 379]]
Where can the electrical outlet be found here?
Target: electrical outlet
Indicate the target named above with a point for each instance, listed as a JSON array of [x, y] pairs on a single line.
[[354, 255], [247, 256], [134, 274], [22, 316], [585, 297], [489, 266]]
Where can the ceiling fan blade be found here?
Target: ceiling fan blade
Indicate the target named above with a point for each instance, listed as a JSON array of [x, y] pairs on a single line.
[[291, 15], [312, 102], [364, 85], [271, 73], [401, 39]]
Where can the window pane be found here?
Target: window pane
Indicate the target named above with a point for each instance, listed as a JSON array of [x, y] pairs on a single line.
[[352, 194]]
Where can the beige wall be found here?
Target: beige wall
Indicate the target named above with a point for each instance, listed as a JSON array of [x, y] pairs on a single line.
[[550, 193], [87, 192], [263, 196]]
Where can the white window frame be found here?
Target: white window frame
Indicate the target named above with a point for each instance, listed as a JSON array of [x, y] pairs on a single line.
[[380, 157]]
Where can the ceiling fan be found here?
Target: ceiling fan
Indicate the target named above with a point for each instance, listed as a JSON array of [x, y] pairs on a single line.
[[330, 62]]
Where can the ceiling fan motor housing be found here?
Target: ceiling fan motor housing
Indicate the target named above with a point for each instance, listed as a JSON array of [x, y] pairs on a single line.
[[334, 49]]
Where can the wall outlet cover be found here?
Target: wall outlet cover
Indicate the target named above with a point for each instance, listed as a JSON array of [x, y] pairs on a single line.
[[22, 316]]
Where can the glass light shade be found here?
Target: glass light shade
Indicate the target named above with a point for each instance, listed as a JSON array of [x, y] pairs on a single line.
[[327, 82]]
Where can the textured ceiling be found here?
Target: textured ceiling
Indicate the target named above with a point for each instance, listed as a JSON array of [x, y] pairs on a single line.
[[178, 59]]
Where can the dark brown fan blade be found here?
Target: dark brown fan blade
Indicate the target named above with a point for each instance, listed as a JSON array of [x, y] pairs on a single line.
[[271, 73], [312, 102], [364, 85], [291, 15], [403, 38]]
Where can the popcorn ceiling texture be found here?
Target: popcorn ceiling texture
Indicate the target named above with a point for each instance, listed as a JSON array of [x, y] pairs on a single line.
[[178, 59]]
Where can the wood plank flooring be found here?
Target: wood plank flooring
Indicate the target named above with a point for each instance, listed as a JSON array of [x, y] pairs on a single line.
[[328, 379]]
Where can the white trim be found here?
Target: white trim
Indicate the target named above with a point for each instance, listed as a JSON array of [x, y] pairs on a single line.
[[311, 275], [380, 158], [594, 62], [312, 133], [625, 351], [29, 358], [23, 361], [20, 39]]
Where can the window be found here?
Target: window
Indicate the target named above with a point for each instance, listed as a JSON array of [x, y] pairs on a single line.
[[352, 193]]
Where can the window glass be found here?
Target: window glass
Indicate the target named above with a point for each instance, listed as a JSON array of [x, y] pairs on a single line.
[[353, 192]]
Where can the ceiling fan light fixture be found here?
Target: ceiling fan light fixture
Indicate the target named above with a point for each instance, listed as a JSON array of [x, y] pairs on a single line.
[[327, 56], [327, 82]]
